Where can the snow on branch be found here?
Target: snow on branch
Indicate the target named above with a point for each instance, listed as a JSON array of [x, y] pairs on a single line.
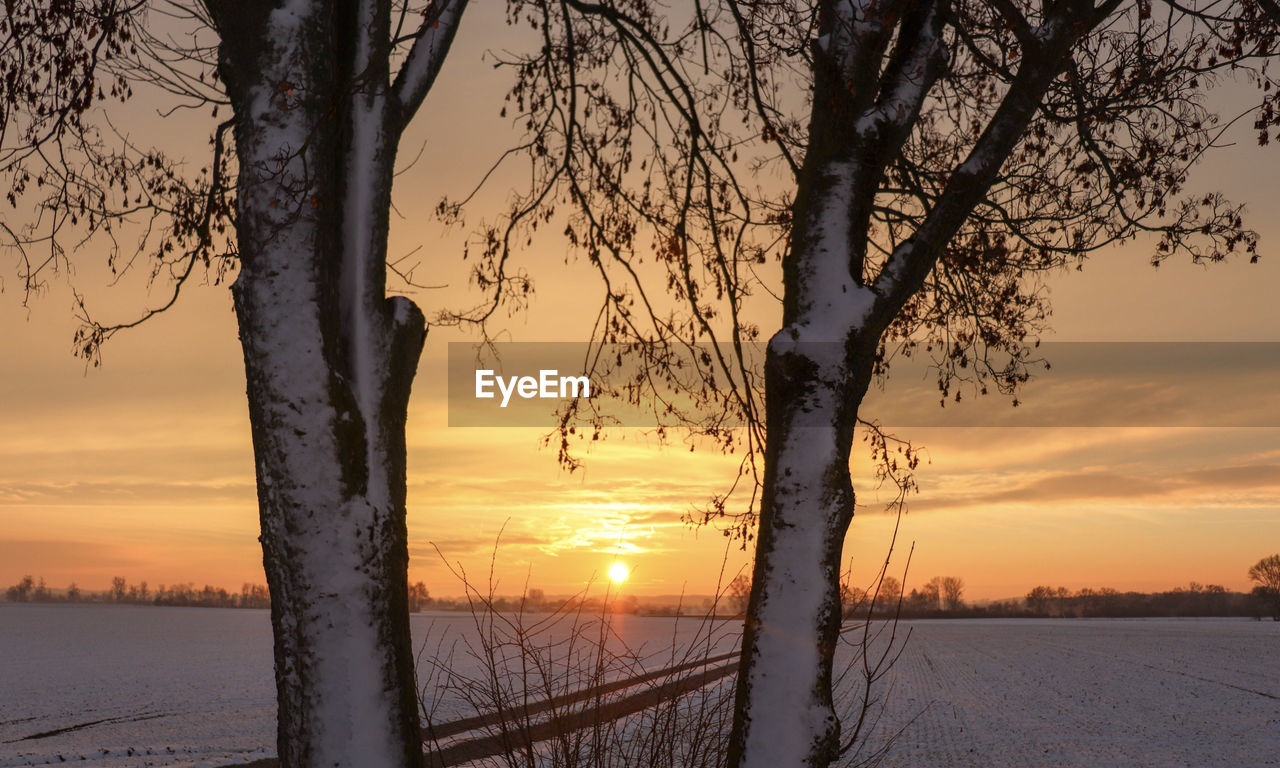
[[917, 61], [856, 32], [910, 263], [433, 38]]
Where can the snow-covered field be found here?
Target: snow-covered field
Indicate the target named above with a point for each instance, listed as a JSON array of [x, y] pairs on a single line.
[[1145, 692], [131, 686], [125, 686], [134, 685]]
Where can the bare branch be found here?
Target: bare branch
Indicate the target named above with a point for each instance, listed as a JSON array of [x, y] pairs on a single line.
[[433, 40], [910, 263]]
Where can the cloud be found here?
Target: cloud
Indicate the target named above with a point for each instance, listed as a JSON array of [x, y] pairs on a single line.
[[555, 529], [1257, 476], [1249, 485], [470, 544], [134, 491]]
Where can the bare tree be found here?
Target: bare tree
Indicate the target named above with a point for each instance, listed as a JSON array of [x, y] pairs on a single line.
[[1266, 572], [934, 159], [953, 592], [21, 592], [914, 165], [296, 197], [888, 596], [930, 595], [319, 111], [852, 600]]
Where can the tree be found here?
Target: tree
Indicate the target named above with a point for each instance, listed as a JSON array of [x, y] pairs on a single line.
[[318, 106], [888, 596], [953, 592], [329, 358], [936, 159], [931, 594], [21, 592], [1272, 9], [1040, 600], [852, 600], [737, 594], [1266, 572], [1265, 599], [419, 597]]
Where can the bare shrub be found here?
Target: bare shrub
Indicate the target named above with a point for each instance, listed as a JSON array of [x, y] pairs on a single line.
[[559, 684]]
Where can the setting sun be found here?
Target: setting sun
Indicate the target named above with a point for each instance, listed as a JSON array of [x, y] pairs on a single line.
[[619, 572]]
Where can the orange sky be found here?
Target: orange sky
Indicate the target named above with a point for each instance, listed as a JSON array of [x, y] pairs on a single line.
[[144, 469]]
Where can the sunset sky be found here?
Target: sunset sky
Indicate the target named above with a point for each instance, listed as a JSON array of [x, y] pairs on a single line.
[[143, 468]]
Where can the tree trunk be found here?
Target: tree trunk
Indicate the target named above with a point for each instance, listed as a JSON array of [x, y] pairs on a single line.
[[793, 622], [333, 541], [329, 361], [794, 615], [817, 371]]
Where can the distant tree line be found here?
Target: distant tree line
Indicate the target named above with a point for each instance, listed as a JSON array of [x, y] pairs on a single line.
[[940, 597], [1193, 600], [943, 597], [35, 590], [32, 590], [1059, 602]]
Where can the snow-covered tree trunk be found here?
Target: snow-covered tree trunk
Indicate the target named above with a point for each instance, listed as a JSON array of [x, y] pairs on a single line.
[[874, 66], [817, 370], [329, 361]]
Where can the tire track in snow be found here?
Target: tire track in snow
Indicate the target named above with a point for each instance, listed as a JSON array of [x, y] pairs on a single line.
[[1211, 680], [1173, 649], [89, 724]]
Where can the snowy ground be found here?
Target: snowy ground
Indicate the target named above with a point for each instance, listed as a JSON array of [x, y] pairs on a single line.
[[125, 686], [1157, 692], [133, 686]]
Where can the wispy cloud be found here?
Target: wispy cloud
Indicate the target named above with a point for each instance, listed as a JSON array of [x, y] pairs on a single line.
[[1240, 486]]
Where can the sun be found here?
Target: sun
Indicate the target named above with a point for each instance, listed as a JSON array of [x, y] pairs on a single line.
[[619, 573]]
